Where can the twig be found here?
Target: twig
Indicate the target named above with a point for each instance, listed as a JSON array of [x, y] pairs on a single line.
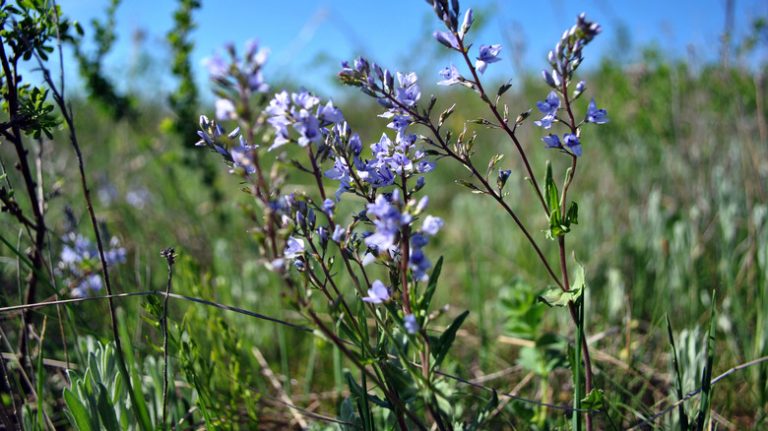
[[267, 372]]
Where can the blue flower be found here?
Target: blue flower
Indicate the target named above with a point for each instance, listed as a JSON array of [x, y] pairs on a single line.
[[294, 248], [89, 283], [450, 75], [225, 110], [338, 234], [432, 225], [330, 113], [217, 67], [550, 105], [595, 115], [466, 23], [328, 205], [388, 223], [572, 142], [488, 54], [546, 121], [552, 141], [308, 127], [424, 166], [408, 92], [419, 264], [447, 39], [378, 293], [305, 100], [410, 323], [552, 78]]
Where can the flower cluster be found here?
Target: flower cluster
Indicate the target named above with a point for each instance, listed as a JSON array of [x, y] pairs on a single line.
[[391, 218], [232, 146], [303, 112], [567, 55], [454, 39], [79, 263], [240, 75], [399, 98], [564, 60]]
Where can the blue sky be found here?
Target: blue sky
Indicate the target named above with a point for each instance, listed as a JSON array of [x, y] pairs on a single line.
[[309, 38]]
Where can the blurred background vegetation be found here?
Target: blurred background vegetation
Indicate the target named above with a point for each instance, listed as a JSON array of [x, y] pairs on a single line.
[[673, 205]]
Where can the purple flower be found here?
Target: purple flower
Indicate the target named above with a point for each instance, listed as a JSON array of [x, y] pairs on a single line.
[[425, 166], [225, 109], [330, 113], [419, 264], [422, 205], [550, 105], [388, 223], [432, 225], [488, 54], [217, 67], [418, 241], [91, 282], [450, 76], [467, 23], [410, 323], [378, 293], [305, 100], [400, 123], [242, 158], [308, 127], [294, 248], [572, 142], [501, 180], [408, 92], [552, 141], [595, 115], [546, 121], [338, 234], [328, 205], [551, 78], [279, 104], [256, 82], [447, 39]]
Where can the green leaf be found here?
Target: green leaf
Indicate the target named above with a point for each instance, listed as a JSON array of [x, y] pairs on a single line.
[[595, 400], [358, 391], [552, 195], [78, 412], [503, 89], [107, 409], [485, 413], [557, 297], [572, 217], [470, 186], [443, 343], [706, 375], [579, 278], [426, 298], [683, 417]]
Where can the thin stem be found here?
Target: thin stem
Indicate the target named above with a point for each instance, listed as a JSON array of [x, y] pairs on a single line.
[[502, 122], [488, 188], [564, 263], [67, 114], [170, 259], [12, 79]]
